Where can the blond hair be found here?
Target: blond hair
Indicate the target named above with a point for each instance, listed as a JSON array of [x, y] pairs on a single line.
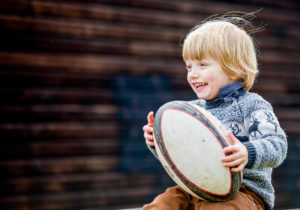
[[231, 46]]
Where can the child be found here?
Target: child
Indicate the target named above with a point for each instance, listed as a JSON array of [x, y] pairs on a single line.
[[221, 68]]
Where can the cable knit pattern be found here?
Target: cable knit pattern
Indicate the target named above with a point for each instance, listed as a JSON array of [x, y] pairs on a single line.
[[252, 120]]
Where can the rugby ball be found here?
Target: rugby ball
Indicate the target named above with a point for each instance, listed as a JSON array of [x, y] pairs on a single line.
[[189, 142]]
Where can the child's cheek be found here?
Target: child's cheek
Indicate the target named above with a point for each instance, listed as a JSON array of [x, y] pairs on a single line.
[[189, 80], [213, 80], [210, 78]]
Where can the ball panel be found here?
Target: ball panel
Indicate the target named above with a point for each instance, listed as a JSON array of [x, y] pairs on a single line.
[[180, 136], [173, 175]]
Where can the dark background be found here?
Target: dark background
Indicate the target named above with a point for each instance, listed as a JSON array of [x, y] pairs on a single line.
[[77, 80]]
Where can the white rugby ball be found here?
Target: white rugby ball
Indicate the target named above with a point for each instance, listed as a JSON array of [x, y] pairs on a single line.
[[189, 142]]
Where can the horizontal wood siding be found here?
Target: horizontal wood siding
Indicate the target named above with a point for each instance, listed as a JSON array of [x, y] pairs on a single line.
[[77, 80]]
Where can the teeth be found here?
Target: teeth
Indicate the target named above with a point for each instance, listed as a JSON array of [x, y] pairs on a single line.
[[198, 84]]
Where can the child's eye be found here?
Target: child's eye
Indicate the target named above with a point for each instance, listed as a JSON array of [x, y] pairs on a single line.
[[202, 64], [189, 67]]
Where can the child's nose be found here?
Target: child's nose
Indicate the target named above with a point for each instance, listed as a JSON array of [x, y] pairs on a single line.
[[194, 73]]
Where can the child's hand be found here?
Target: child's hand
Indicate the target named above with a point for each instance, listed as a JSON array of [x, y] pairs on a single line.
[[239, 157], [148, 130]]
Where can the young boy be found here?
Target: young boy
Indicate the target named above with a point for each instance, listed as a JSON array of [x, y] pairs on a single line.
[[221, 68]]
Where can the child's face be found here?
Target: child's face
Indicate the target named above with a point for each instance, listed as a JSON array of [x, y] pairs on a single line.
[[206, 77]]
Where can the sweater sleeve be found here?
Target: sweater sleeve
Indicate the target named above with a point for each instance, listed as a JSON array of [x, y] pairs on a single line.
[[267, 145]]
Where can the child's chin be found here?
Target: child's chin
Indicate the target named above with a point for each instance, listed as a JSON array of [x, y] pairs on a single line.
[[202, 97]]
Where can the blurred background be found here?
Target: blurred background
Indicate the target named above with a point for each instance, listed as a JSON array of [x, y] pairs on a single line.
[[77, 80]]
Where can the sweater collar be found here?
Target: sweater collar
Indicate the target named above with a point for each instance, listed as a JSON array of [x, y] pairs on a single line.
[[230, 90], [226, 93]]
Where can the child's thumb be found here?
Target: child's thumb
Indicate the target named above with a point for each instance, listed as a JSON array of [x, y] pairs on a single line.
[[150, 118], [231, 137]]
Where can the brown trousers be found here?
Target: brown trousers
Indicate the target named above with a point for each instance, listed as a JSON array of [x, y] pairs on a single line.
[[175, 198]]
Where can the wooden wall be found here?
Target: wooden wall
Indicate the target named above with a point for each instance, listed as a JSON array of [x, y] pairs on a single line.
[[78, 78]]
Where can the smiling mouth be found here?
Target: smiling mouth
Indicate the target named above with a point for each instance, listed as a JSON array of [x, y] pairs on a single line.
[[199, 84]]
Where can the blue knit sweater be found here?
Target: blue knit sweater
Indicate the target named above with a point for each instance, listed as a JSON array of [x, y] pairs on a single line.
[[251, 119]]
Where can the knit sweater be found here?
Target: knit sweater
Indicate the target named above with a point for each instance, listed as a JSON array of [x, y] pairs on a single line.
[[252, 120]]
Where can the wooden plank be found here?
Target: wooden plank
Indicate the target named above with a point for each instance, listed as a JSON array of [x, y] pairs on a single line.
[[61, 165], [291, 127], [74, 182], [58, 130], [63, 148], [292, 5], [289, 69], [32, 78], [281, 99], [283, 76], [292, 114], [282, 86], [209, 8], [106, 65], [274, 43], [98, 12], [268, 89], [56, 96], [107, 141], [58, 112], [84, 199], [88, 29], [278, 57], [31, 43]]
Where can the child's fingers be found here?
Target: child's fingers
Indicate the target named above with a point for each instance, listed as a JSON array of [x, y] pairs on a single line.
[[148, 136], [150, 118], [149, 143], [237, 169], [148, 129], [231, 148], [233, 139], [234, 163], [231, 157], [237, 158]]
